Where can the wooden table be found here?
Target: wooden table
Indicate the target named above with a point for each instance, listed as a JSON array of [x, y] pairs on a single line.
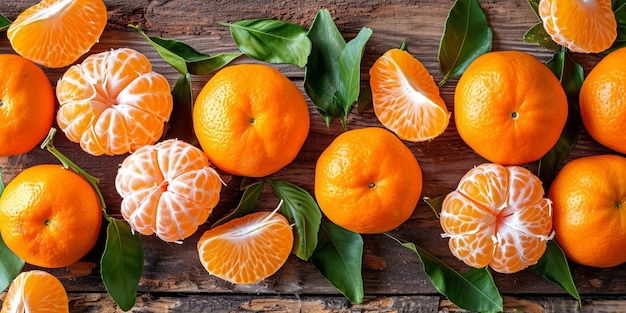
[[174, 280]]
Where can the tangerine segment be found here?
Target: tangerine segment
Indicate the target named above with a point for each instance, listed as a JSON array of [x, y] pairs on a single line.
[[36, 291], [497, 217], [405, 97], [248, 249], [587, 26], [113, 103], [168, 189], [26, 105], [55, 33]]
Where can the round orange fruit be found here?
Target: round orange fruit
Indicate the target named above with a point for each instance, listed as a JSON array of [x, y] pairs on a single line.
[[50, 216], [589, 195], [113, 103], [367, 181], [251, 120], [497, 217], [27, 105], [509, 107], [602, 102], [168, 189]]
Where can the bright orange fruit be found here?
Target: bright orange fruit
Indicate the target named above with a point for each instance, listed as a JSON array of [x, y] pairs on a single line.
[[55, 33], [405, 97], [509, 107], [168, 189], [113, 103], [251, 120], [50, 216], [26, 106], [36, 291], [580, 25], [497, 217], [602, 102], [589, 195], [367, 181], [248, 249]]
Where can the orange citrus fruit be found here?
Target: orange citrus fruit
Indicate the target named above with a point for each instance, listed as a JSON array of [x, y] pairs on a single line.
[[509, 107], [113, 103], [26, 105], [248, 249], [589, 195], [497, 217], [251, 120], [36, 291], [168, 189], [50, 216], [55, 33], [580, 25], [405, 97], [602, 102], [367, 181]]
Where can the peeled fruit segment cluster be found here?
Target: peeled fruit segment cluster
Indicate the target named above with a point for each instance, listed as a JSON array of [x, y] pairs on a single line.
[[497, 217], [168, 189]]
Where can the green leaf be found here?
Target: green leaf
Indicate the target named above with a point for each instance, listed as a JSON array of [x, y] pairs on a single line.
[[247, 204], [122, 263], [10, 264], [534, 4], [181, 121], [619, 8], [473, 290], [271, 40], [466, 36], [571, 75], [553, 267], [322, 74], [338, 257], [537, 34], [300, 207], [4, 22], [435, 204], [186, 59], [350, 71]]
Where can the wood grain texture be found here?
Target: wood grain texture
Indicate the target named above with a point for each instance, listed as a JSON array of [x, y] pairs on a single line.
[[174, 279]]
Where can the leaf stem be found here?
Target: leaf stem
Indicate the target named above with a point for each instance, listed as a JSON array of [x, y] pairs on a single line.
[[67, 163]]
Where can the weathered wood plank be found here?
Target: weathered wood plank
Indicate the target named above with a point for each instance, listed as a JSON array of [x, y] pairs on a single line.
[[389, 269]]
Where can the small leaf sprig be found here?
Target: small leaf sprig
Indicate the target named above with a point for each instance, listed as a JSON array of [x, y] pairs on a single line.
[[122, 260]]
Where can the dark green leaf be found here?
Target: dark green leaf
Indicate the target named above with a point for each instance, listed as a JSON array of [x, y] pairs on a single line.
[[271, 40], [212, 63], [122, 263], [322, 78], [299, 207], [534, 4], [338, 257], [553, 267], [181, 122], [537, 34], [619, 8], [435, 204], [350, 72], [247, 204], [466, 36], [4, 22], [10, 264], [249, 181], [571, 75], [186, 59], [473, 290]]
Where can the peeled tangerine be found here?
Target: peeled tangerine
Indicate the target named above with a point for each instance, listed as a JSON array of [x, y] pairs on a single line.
[[498, 217], [168, 189], [113, 103]]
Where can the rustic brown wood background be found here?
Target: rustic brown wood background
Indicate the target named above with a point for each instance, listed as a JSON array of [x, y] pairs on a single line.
[[174, 279]]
